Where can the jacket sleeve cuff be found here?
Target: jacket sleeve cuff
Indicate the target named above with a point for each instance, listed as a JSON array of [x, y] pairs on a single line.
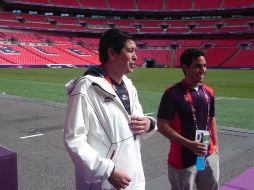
[[110, 168]]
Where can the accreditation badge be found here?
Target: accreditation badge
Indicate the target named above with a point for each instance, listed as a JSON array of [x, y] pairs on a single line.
[[202, 136]]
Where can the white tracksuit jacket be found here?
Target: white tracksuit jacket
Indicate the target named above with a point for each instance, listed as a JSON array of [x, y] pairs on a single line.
[[97, 135]]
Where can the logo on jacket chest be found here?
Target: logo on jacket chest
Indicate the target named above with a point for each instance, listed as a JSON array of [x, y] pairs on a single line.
[[108, 99]]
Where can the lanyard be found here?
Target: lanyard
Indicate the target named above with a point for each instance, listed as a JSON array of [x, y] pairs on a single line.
[[193, 110], [122, 93]]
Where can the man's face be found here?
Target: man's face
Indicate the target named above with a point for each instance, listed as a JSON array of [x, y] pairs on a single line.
[[125, 60], [196, 71]]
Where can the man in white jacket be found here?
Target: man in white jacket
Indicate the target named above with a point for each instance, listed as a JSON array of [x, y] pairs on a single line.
[[104, 120]]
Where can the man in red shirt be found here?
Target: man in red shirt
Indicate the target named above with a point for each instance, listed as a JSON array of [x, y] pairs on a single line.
[[186, 113]]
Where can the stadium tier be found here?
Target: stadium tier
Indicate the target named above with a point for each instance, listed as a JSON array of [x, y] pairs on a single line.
[[67, 32], [139, 4], [73, 24]]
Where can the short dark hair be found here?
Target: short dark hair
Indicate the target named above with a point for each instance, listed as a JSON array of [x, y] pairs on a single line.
[[189, 55], [113, 38]]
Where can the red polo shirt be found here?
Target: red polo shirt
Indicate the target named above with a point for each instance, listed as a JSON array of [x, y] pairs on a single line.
[[176, 108]]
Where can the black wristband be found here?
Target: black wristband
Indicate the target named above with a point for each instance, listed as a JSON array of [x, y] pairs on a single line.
[[152, 125]]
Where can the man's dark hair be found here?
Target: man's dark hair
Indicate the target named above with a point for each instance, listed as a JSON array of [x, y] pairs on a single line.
[[112, 38], [189, 55]]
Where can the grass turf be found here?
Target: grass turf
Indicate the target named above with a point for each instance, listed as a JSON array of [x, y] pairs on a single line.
[[48, 84]]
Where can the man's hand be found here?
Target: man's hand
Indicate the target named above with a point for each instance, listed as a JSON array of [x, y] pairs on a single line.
[[119, 179], [198, 148], [139, 124]]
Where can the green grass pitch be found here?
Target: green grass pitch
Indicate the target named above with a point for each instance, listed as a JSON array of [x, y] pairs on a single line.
[[234, 89]]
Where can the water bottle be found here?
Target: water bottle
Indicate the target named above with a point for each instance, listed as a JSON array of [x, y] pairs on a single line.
[[200, 162]]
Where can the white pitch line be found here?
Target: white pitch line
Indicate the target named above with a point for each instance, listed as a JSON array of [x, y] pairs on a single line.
[[150, 113], [226, 98], [31, 136]]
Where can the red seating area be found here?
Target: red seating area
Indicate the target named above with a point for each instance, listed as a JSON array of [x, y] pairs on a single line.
[[179, 4], [62, 50], [233, 29], [202, 4], [101, 4], [23, 37], [121, 4], [222, 53], [237, 3], [86, 55], [4, 61], [72, 3], [143, 4], [20, 55], [243, 58], [160, 56], [58, 54], [149, 4], [218, 56], [37, 1], [41, 55], [204, 29], [206, 34], [73, 24], [225, 43], [156, 42]]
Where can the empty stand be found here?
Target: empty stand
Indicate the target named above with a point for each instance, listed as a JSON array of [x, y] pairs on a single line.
[[21, 37], [243, 58], [72, 3], [160, 56], [83, 54], [178, 29], [54, 39], [59, 54], [177, 56], [216, 57], [150, 29], [203, 29], [2, 36], [101, 4], [32, 18], [225, 43], [6, 16], [4, 61], [148, 23], [237, 3], [36, 1], [64, 20], [179, 4], [176, 35], [233, 29], [156, 42], [69, 27], [115, 4], [20, 55], [191, 43], [150, 4], [202, 4]]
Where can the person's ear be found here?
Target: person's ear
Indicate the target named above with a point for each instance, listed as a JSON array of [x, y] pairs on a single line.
[[111, 53], [184, 68]]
